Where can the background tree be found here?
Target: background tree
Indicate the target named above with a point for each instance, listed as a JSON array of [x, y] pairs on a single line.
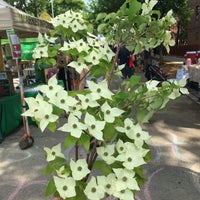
[[180, 8], [182, 12], [102, 6], [37, 7]]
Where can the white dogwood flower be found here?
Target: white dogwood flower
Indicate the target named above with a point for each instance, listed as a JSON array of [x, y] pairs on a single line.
[[108, 183], [78, 65], [44, 115], [128, 127], [33, 106], [50, 39], [120, 146], [108, 53], [40, 52], [65, 186], [139, 136], [87, 101], [81, 46], [67, 46], [125, 194], [148, 5], [94, 57], [110, 113], [73, 126], [106, 153], [94, 126], [54, 152], [94, 191], [76, 15], [93, 41], [152, 85], [76, 110], [100, 90], [133, 157], [51, 88], [63, 172], [63, 100], [79, 169], [125, 179], [76, 26]]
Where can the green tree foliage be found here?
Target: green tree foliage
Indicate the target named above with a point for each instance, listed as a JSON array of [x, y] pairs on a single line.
[[182, 12], [61, 6], [102, 6], [37, 7], [180, 9]]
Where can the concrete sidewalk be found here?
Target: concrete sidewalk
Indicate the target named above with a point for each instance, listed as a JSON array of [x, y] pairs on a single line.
[[173, 174]]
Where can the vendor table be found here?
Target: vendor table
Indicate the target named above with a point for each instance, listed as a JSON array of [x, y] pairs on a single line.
[[10, 113], [11, 110], [194, 73]]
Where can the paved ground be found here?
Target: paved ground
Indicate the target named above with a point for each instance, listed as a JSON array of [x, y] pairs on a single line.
[[173, 174]]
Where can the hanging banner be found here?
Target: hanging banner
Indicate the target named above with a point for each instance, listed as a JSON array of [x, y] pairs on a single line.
[[14, 43]]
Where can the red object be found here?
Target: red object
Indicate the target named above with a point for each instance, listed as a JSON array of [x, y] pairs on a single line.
[[75, 84], [192, 55], [131, 63]]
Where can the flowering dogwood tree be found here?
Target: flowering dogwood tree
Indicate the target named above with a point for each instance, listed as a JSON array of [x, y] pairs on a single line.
[[106, 124]]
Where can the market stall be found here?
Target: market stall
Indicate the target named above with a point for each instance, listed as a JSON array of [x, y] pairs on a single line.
[[25, 26]]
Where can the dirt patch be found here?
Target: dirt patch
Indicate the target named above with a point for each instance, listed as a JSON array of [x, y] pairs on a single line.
[[170, 68]]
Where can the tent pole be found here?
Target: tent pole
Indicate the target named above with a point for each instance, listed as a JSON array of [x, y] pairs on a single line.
[[24, 118], [1, 58]]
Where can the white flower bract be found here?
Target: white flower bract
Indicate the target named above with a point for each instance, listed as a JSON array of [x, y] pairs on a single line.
[[73, 126], [79, 169], [54, 152], [110, 113], [65, 186], [106, 153], [94, 191], [94, 126]]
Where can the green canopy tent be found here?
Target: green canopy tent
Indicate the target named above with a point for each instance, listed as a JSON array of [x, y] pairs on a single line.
[[27, 47]]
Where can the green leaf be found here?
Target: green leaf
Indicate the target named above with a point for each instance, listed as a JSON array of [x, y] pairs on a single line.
[[102, 166], [69, 140], [48, 169], [57, 111], [148, 157], [102, 27], [109, 131], [98, 71], [52, 126], [101, 16], [157, 103], [80, 186], [110, 16], [134, 8], [148, 116], [85, 141], [143, 116], [51, 188], [142, 27], [139, 171], [134, 80]]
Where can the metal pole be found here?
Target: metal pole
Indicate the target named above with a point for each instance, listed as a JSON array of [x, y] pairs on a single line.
[[52, 9]]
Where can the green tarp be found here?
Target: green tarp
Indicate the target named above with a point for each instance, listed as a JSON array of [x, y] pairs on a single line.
[[27, 47]]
